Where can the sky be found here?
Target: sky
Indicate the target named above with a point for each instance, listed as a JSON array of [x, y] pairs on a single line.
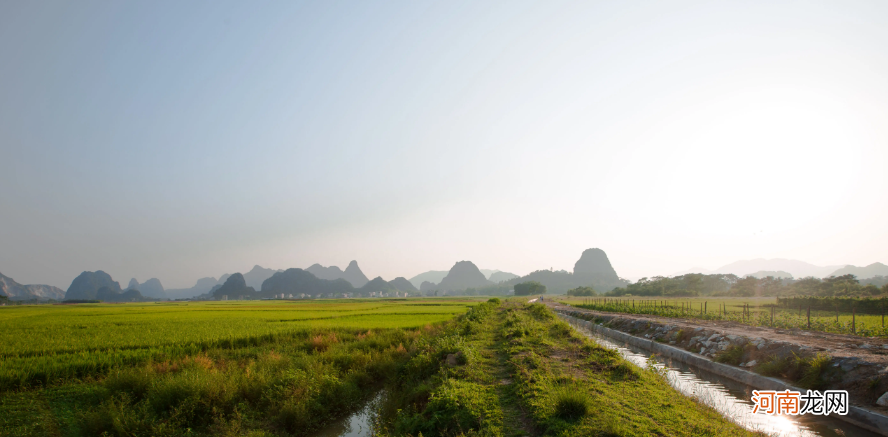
[[180, 140]]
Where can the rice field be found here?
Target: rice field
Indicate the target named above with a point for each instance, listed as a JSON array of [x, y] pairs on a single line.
[[45, 343]]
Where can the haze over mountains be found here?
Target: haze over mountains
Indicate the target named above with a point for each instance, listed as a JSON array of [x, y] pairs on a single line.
[[798, 269], [592, 269], [436, 276]]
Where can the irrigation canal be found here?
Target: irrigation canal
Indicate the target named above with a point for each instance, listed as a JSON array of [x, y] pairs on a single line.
[[729, 397]]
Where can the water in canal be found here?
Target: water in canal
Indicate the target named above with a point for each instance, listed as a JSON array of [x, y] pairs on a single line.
[[729, 397]]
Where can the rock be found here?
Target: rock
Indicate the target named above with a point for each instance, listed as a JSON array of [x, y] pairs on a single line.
[[883, 400], [848, 365], [733, 338], [866, 346], [702, 349], [672, 342], [749, 364], [713, 337]]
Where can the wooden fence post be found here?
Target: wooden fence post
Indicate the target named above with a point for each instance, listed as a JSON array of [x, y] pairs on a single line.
[[853, 320], [809, 318]]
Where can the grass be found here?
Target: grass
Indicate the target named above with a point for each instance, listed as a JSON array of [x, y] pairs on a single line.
[[534, 375], [239, 368], [734, 309], [275, 369]]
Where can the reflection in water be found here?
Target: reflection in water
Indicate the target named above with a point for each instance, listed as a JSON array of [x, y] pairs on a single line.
[[729, 397], [359, 424]]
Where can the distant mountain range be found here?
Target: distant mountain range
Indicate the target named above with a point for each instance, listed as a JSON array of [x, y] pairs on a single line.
[[436, 276], [592, 269], [151, 288], [352, 273], [15, 291], [99, 285], [872, 270], [798, 269]]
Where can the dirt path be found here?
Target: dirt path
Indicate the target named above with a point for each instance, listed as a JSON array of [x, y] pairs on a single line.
[[873, 350], [515, 420]]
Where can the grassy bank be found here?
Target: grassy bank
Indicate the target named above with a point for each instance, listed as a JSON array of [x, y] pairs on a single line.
[[514, 369], [753, 312]]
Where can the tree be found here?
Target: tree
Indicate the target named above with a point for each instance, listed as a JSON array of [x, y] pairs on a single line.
[[582, 291], [528, 288]]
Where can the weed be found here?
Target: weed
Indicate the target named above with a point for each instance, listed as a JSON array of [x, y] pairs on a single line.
[[570, 404], [732, 355]]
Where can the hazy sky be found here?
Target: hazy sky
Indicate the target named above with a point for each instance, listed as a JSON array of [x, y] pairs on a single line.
[[186, 139]]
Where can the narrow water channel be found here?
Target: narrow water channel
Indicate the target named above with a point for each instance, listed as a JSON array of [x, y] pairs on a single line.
[[359, 423], [729, 397]]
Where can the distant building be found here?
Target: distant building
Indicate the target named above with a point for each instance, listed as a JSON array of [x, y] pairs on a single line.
[[224, 297]]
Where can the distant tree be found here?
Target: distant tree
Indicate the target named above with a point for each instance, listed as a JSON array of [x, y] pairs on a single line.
[[529, 288], [582, 291], [3, 298], [871, 290]]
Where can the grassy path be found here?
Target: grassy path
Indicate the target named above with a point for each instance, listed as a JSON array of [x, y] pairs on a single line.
[[515, 370]]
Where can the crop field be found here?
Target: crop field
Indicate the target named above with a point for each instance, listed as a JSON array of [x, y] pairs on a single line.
[[761, 311], [209, 367], [450, 367]]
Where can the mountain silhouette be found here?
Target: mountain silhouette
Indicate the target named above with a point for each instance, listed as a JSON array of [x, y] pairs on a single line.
[[354, 275], [257, 276], [85, 286], [431, 276], [234, 287], [498, 277], [593, 269], [377, 285], [15, 291], [463, 274], [798, 269], [322, 272], [874, 269], [402, 284], [299, 281]]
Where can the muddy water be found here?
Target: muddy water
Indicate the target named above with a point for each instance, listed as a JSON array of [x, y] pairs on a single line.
[[358, 424], [729, 397]]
